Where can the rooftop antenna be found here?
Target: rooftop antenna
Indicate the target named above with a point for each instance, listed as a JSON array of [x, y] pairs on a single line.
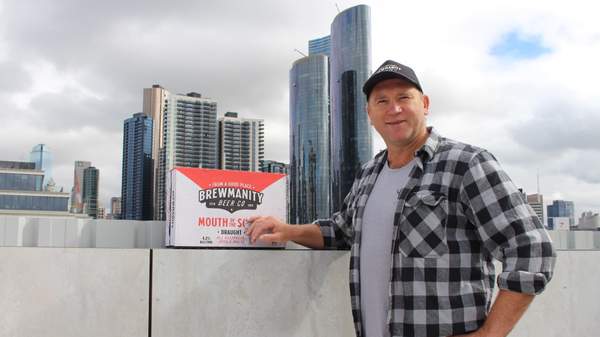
[[337, 7], [538, 181], [299, 52]]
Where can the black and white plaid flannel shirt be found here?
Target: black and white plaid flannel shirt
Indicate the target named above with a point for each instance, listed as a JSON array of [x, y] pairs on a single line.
[[457, 212]]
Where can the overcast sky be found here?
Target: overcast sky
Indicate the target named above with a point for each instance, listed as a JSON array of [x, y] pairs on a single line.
[[520, 79]]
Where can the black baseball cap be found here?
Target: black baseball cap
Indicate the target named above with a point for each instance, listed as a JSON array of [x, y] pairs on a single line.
[[388, 70]]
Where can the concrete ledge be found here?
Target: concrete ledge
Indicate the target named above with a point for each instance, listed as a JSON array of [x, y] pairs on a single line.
[[216, 292]]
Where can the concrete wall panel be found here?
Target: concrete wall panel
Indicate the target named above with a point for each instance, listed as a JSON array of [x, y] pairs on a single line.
[[250, 293], [73, 292], [569, 305]]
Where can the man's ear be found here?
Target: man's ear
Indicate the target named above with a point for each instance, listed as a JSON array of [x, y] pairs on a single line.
[[426, 104], [368, 113]]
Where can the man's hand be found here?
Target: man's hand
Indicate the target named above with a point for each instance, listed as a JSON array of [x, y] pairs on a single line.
[[506, 311], [268, 229]]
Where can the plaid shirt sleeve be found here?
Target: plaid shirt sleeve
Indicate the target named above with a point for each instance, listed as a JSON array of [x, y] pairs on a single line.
[[509, 229], [338, 230]]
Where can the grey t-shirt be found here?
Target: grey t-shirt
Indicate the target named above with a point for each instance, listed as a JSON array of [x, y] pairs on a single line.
[[376, 246]]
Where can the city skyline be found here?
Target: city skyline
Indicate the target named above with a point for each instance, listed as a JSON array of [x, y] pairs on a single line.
[[520, 76]]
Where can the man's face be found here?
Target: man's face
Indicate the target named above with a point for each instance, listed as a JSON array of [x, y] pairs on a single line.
[[397, 111]]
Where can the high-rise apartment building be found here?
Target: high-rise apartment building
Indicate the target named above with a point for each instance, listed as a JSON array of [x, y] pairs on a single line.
[[189, 138], [536, 201], [241, 143], [309, 140], [91, 177], [589, 221], [154, 102], [43, 161], [136, 179], [561, 209], [349, 68], [77, 191], [21, 191]]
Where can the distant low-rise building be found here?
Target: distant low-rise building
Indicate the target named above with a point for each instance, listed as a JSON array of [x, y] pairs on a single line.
[[21, 191], [589, 221], [272, 166], [561, 209]]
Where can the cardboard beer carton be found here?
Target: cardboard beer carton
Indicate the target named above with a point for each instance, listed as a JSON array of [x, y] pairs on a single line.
[[209, 208]]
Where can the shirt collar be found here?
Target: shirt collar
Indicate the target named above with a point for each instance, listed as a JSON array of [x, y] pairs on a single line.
[[427, 150]]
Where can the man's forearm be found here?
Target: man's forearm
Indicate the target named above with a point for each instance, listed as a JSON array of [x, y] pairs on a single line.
[[308, 235], [506, 311]]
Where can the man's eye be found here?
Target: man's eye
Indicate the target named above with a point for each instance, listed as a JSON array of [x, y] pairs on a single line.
[[381, 101]]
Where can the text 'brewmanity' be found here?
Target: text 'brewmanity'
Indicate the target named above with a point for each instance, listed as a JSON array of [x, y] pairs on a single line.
[[231, 199]]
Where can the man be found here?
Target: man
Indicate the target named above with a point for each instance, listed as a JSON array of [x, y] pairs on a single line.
[[423, 220]]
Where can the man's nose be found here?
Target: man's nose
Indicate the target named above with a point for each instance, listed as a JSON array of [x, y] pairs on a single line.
[[396, 107]]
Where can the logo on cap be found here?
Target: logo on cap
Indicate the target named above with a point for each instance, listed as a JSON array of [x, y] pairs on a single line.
[[389, 67]]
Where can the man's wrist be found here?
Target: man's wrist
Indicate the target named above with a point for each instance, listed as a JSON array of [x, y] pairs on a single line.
[[484, 331], [295, 232]]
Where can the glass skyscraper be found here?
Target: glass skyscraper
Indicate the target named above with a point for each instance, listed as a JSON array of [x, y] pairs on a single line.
[[136, 179], [43, 161], [350, 66], [309, 139], [321, 45]]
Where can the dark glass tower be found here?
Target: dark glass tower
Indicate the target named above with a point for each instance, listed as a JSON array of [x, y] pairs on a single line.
[[136, 176], [350, 66], [309, 143], [91, 177]]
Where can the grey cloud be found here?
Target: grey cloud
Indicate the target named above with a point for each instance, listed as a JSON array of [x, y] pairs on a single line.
[[69, 110], [73, 32], [558, 126], [227, 51], [13, 77]]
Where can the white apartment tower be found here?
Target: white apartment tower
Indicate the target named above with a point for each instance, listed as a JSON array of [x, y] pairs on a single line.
[[189, 139], [241, 143]]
